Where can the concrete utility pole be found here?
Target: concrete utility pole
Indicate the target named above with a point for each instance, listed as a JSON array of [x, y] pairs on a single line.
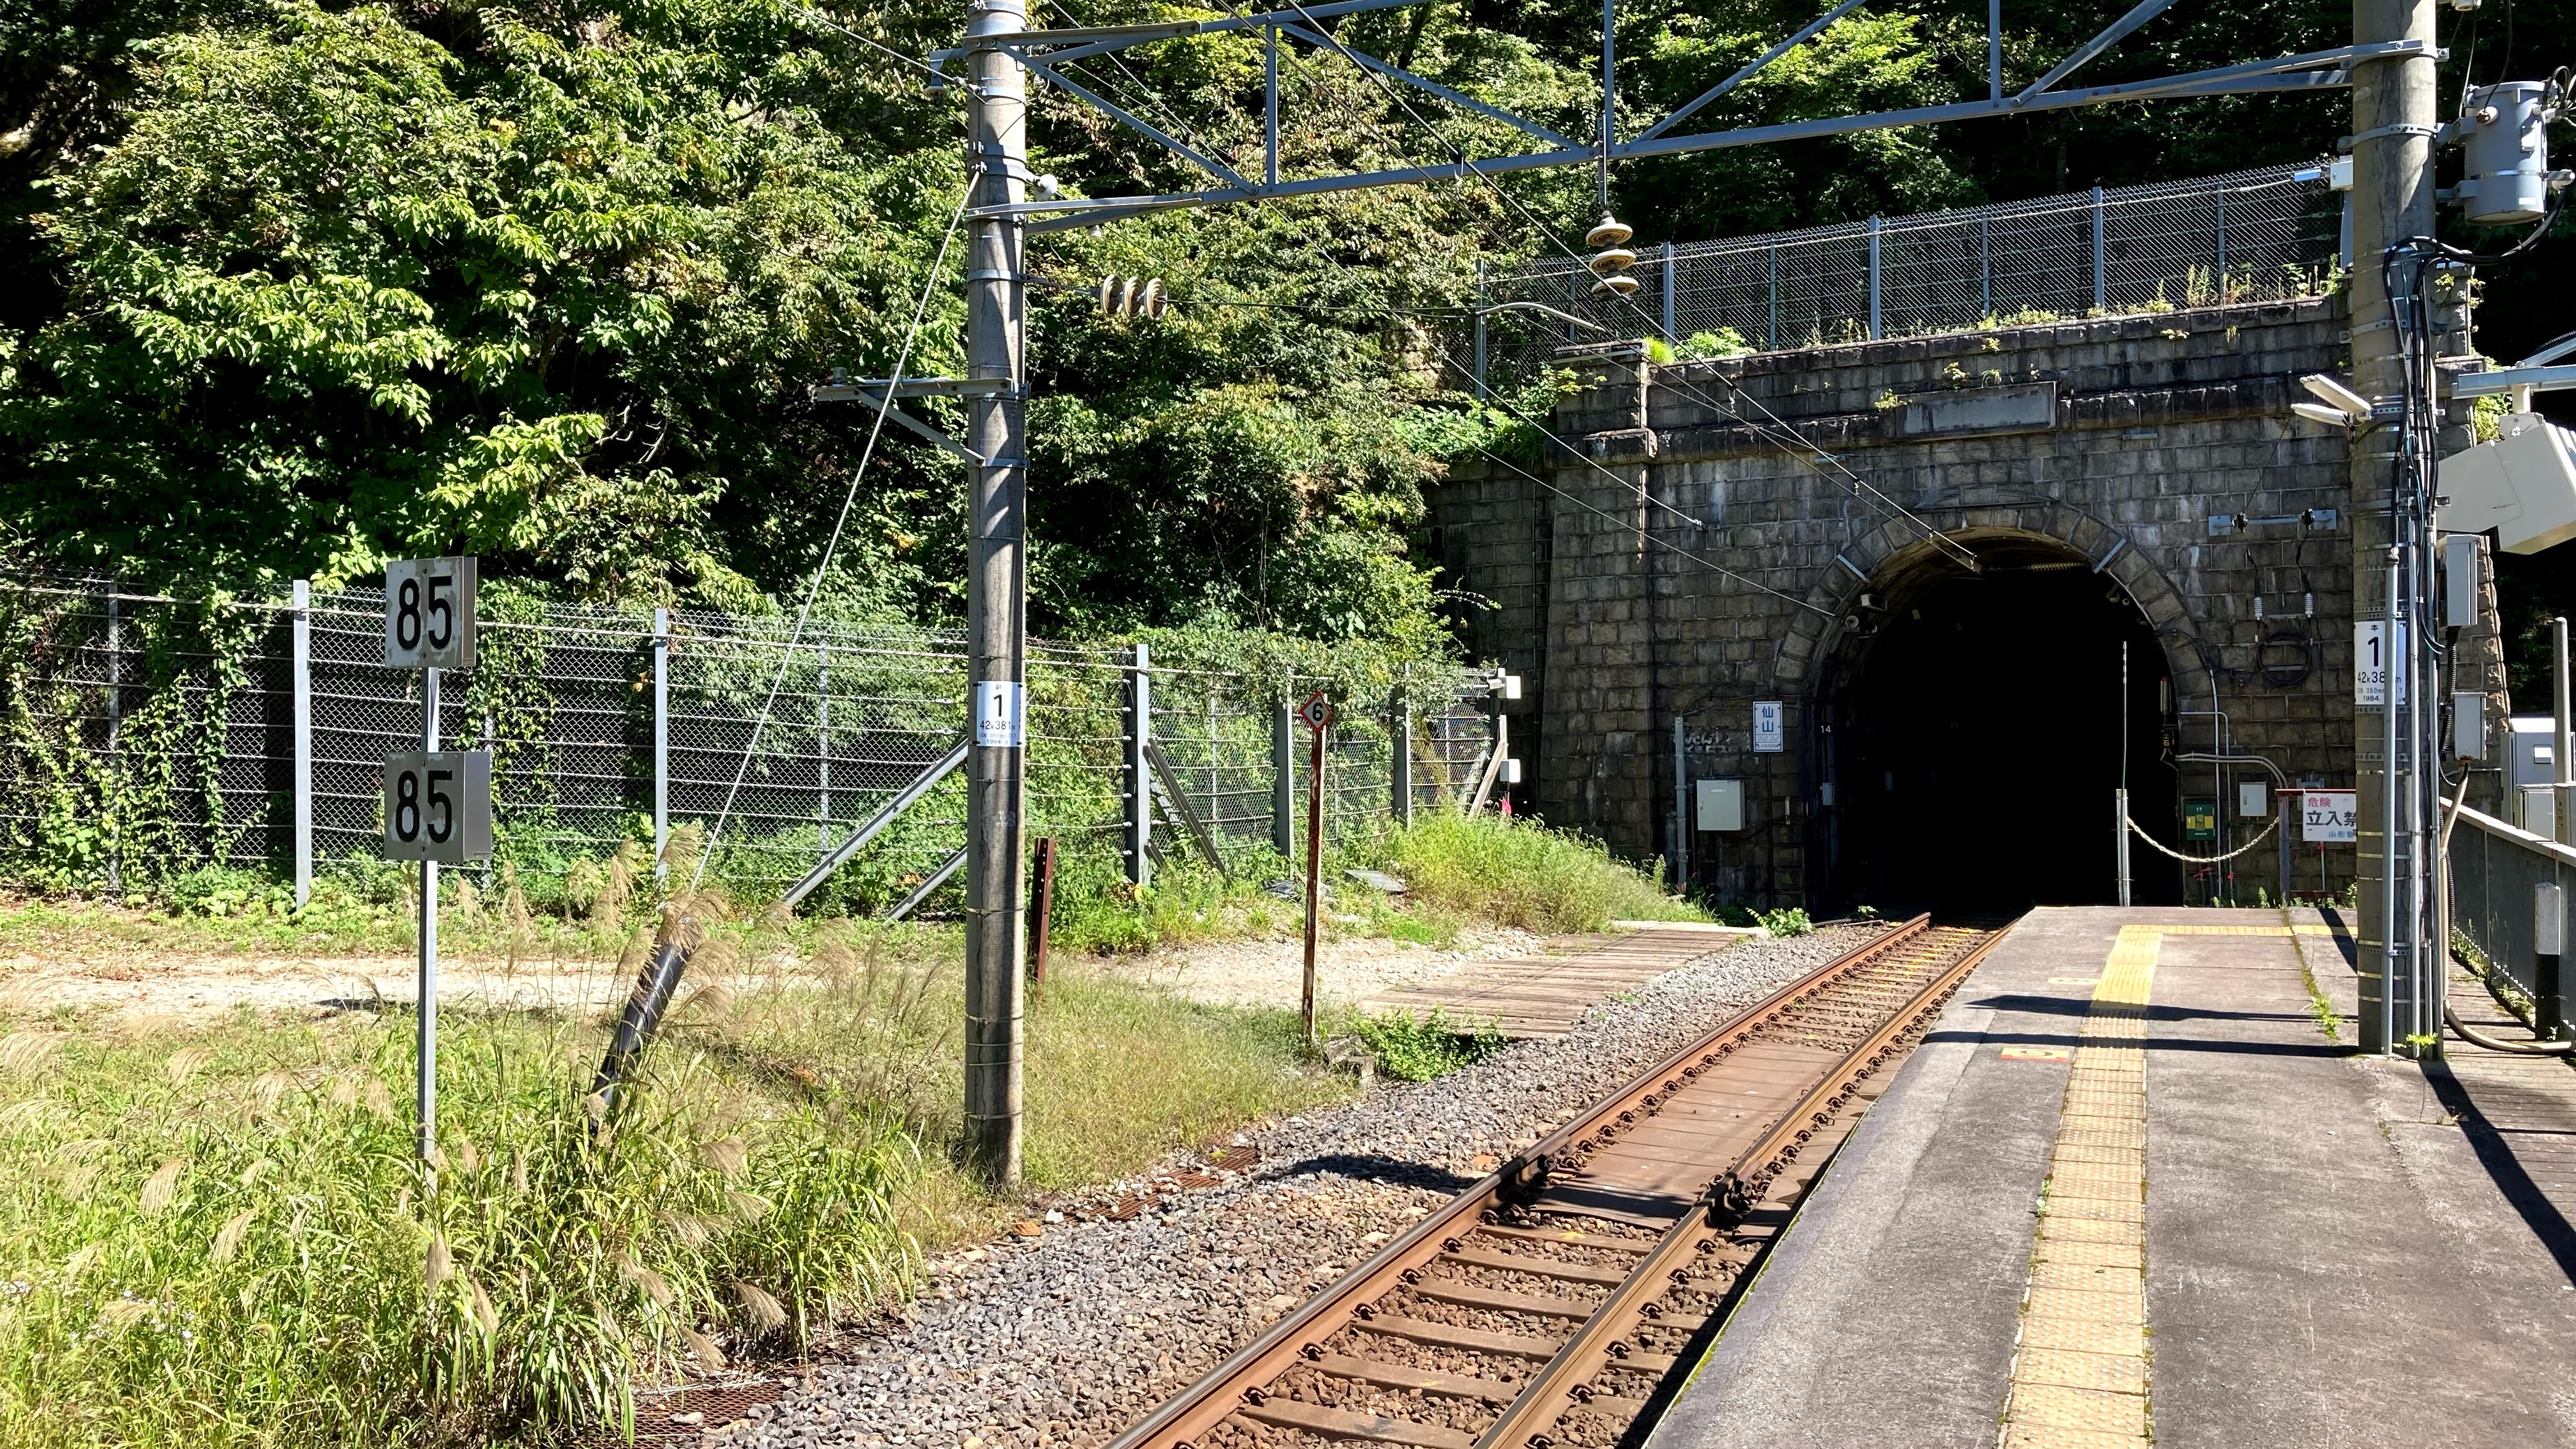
[[996, 602], [2393, 118]]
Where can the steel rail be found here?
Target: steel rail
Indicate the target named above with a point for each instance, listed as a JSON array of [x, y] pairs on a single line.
[[1564, 1383], [1221, 1392]]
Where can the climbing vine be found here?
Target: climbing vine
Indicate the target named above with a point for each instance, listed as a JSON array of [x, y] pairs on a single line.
[[129, 789]]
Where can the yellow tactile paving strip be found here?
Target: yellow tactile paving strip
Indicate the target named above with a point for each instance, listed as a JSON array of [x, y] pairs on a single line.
[[2079, 1377], [2080, 1369]]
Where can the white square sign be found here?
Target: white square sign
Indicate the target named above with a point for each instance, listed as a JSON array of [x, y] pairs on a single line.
[[429, 613], [438, 806], [2373, 659], [2329, 817], [1001, 713], [1769, 738]]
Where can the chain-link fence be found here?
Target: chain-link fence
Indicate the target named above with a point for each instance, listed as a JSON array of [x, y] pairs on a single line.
[[143, 739], [2247, 236]]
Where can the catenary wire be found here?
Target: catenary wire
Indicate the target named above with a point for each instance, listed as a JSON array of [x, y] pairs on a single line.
[[1170, 112], [1644, 494], [940, 77], [1775, 430], [1165, 106], [1595, 465], [1772, 430], [876, 429]]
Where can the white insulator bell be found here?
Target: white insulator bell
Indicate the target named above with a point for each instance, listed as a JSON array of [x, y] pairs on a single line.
[[1616, 259], [1618, 282], [1610, 233]]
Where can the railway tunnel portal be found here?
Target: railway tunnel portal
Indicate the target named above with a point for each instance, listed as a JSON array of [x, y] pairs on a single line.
[[1971, 728], [1929, 554]]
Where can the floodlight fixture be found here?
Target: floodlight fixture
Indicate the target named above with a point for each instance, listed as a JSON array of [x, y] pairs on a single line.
[[2320, 413], [2337, 396]]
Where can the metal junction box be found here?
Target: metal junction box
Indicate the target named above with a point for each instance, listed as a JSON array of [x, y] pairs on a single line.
[[2530, 766], [2533, 761], [1719, 804]]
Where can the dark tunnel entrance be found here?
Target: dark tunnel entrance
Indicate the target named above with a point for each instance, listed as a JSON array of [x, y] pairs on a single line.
[[1972, 738]]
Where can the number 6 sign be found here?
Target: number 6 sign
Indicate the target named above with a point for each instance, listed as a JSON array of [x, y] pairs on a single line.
[[429, 613], [438, 806]]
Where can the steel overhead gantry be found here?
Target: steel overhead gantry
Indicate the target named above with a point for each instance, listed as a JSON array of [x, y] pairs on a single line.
[[1046, 52], [999, 53]]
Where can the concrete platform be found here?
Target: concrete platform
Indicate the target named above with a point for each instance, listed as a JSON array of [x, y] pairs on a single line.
[[2338, 1251]]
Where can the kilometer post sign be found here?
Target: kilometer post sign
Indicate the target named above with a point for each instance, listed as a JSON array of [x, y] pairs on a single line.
[[438, 806]]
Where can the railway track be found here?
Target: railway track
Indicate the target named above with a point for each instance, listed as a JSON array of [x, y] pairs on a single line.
[[1546, 1307]]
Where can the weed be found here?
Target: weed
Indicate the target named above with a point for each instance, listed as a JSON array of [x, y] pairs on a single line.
[[2486, 419], [1699, 346], [237, 1252], [1418, 1048], [1523, 875], [1401, 927], [1787, 921]]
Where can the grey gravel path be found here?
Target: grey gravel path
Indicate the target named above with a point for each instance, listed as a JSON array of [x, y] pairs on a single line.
[[1065, 1339]]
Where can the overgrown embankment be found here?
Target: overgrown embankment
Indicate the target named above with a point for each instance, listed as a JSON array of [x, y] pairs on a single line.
[[216, 1232]]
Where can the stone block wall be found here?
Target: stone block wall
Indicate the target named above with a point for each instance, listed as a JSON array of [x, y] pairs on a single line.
[[1709, 528]]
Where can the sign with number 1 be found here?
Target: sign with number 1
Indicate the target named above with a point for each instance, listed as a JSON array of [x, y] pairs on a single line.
[[429, 613], [2375, 662]]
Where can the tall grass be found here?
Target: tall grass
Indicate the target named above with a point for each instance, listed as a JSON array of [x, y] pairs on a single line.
[[222, 1237], [1523, 875], [1120, 1074], [218, 1235]]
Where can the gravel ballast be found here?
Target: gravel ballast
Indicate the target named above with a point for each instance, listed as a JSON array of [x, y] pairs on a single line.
[[1067, 1338]]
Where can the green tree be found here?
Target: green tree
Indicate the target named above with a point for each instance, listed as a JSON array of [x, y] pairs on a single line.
[[342, 290]]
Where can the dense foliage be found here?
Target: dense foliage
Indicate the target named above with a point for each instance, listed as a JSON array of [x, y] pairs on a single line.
[[290, 286]]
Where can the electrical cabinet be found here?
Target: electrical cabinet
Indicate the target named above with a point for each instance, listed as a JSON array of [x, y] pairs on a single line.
[[1719, 804]]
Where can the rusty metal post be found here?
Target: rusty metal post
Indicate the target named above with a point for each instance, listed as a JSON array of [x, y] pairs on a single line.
[[1045, 909]]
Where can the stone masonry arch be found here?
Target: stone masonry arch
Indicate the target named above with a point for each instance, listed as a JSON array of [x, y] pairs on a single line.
[[1681, 569], [1883, 555]]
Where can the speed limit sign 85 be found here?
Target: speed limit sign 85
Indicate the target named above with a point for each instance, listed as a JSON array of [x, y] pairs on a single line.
[[438, 806], [429, 613]]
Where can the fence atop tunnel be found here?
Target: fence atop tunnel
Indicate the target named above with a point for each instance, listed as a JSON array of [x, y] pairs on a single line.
[[143, 739], [2258, 235]]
